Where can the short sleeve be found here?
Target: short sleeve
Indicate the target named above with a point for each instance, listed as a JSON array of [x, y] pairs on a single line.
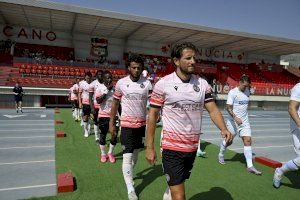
[[295, 93], [230, 98], [158, 96], [208, 93], [118, 92]]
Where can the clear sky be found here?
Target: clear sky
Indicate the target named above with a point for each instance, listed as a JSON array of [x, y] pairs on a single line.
[[280, 18]]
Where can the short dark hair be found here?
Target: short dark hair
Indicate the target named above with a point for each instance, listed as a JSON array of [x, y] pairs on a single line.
[[245, 78], [106, 72], [99, 71], [135, 58], [177, 49], [88, 74]]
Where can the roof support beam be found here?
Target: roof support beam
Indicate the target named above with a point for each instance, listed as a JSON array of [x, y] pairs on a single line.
[[50, 16], [135, 30], [185, 37], [73, 24], [120, 24], [4, 19], [92, 31], [227, 43], [29, 25]]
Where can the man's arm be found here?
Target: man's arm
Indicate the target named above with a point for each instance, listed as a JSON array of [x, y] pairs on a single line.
[[113, 113], [217, 118], [151, 127], [91, 95], [293, 108], [229, 109], [79, 99]]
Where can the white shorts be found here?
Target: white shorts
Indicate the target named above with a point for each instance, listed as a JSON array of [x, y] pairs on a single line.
[[296, 140], [241, 130]]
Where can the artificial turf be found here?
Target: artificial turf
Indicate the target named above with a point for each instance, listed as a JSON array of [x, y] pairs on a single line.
[[209, 179]]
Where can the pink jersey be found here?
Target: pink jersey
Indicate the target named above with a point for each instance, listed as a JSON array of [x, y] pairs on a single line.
[[84, 90], [93, 87], [105, 106], [133, 96], [74, 92], [182, 107]]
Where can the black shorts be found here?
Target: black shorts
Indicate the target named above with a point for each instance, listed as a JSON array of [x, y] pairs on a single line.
[[18, 98], [96, 116], [75, 104], [177, 166], [86, 110], [103, 123], [132, 138]]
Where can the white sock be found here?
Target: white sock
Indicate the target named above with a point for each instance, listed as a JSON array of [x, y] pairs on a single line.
[[127, 171], [89, 126], [96, 130], [199, 145], [102, 148], [291, 165], [111, 148], [135, 157], [85, 126], [248, 155], [222, 148]]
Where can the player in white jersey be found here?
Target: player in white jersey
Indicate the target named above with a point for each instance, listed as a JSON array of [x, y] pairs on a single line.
[[93, 103], [238, 121], [104, 96], [294, 111], [132, 92], [182, 97], [84, 101]]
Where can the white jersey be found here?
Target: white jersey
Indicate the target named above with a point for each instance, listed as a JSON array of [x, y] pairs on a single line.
[[295, 96], [240, 101]]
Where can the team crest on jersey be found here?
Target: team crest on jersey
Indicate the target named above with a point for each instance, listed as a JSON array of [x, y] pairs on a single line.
[[127, 85], [175, 87], [196, 88], [142, 85]]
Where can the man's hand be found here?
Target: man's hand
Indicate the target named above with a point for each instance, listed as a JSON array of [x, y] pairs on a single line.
[[227, 136], [150, 155], [238, 120]]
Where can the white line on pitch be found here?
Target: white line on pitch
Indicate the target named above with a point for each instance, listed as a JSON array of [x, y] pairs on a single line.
[[25, 120], [28, 162], [36, 124], [253, 130], [257, 137], [24, 130], [28, 147], [27, 187], [25, 137], [266, 147]]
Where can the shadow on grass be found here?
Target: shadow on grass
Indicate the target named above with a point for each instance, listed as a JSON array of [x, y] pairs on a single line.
[[294, 177], [214, 193], [204, 145], [148, 176], [237, 157]]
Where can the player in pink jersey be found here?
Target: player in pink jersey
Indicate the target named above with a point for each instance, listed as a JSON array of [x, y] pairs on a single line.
[[182, 97], [74, 99], [104, 96], [93, 103], [132, 91], [84, 101]]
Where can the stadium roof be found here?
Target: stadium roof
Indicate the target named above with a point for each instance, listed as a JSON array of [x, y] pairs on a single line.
[[74, 19]]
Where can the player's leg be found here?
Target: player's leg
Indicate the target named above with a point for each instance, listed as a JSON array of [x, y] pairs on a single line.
[[127, 142], [96, 127], [177, 167], [17, 105], [231, 126], [113, 142], [103, 127], [86, 110], [245, 133], [291, 165]]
